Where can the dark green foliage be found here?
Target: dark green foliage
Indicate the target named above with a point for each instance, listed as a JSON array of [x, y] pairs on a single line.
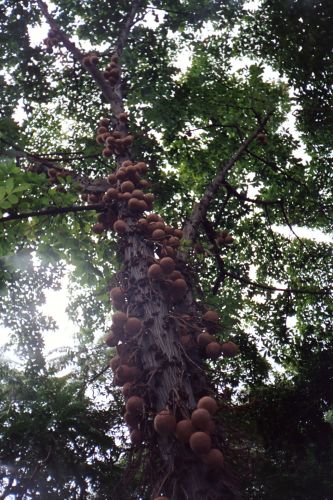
[[61, 429]]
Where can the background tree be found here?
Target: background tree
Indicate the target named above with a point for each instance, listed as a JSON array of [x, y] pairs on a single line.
[[63, 435]]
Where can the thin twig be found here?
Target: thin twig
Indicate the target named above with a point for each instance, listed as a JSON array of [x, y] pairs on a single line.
[[53, 211]]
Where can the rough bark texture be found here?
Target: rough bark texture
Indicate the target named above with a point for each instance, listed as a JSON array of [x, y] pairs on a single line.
[[170, 376]]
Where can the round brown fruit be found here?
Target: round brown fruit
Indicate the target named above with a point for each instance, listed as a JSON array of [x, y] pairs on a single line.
[[208, 404], [178, 288], [137, 193], [178, 233], [142, 166], [135, 405], [184, 430], [127, 390], [107, 152], [121, 174], [112, 193], [176, 275], [143, 183], [155, 272], [174, 242], [119, 319], [114, 363], [229, 349], [158, 234], [137, 206], [211, 316], [167, 251], [213, 350], [200, 418], [123, 117], [167, 264], [98, 228], [136, 437], [117, 294], [165, 423], [214, 459], [132, 420], [120, 226], [200, 443], [128, 140], [111, 339], [153, 218], [112, 179], [205, 338], [142, 224], [149, 198], [127, 186], [133, 326]]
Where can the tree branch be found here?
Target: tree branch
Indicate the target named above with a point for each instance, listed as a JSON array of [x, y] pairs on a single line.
[[243, 197], [53, 211], [114, 98], [200, 210], [264, 286], [97, 75]]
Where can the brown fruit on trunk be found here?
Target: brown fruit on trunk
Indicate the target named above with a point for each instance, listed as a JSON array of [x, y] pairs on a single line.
[[135, 405], [204, 339], [112, 193], [200, 418], [211, 316], [153, 218], [98, 228], [158, 234], [120, 226], [184, 430], [112, 179], [114, 363], [167, 264], [200, 443], [136, 437], [132, 420], [117, 294], [213, 350], [155, 272], [133, 326], [128, 389], [137, 193], [208, 404], [137, 206], [119, 319], [178, 233], [178, 288], [127, 186], [111, 339], [165, 423], [229, 349], [214, 459]]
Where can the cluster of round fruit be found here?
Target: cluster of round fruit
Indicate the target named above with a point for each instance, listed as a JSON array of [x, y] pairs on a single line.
[[112, 71], [211, 348], [172, 281], [126, 185], [196, 431], [114, 141], [124, 329], [167, 237], [51, 41], [224, 238], [90, 59]]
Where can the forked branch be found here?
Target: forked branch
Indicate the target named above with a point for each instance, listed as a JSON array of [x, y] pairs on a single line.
[[200, 210]]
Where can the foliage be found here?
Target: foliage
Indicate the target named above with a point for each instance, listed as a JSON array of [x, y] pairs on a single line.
[[60, 427]]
